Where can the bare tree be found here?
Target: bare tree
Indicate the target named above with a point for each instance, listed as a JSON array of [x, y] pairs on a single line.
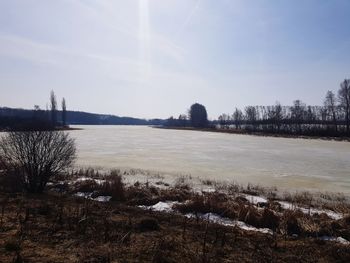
[[64, 112], [53, 104], [278, 115], [36, 156], [298, 112], [237, 117], [183, 120], [251, 115], [275, 115], [344, 100], [224, 120], [331, 107]]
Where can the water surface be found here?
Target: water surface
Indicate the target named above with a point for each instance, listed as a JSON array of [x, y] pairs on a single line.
[[282, 162]]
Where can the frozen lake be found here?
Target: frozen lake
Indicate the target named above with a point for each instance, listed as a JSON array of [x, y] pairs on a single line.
[[285, 163]]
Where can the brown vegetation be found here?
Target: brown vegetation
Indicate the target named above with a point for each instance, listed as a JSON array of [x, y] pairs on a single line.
[[56, 228]]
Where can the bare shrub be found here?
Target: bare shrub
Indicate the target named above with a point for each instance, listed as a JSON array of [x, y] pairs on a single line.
[[249, 215], [210, 203], [36, 156], [303, 198], [113, 187], [140, 196], [87, 186], [175, 194], [296, 222], [270, 219]]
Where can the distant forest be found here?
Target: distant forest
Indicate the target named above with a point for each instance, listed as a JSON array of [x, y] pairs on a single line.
[[10, 115], [14, 119]]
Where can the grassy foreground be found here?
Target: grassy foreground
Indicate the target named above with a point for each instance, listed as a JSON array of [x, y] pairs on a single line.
[[51, 228], [61, 227]]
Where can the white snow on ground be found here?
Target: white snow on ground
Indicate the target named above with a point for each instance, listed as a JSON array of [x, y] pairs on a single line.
[[255, 199], [336, 239], [83, 179], [207, 190], [82, 194], [312, 211], [103, 199], [98, 199], [289, 206], [214, 218], [160, 206]]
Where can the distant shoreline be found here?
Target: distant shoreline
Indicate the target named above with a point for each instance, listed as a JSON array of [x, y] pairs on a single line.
[[260, 134], [68, 129], [56, 129]]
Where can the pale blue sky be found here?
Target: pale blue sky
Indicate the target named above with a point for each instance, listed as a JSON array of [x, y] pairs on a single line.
[[153, 58]]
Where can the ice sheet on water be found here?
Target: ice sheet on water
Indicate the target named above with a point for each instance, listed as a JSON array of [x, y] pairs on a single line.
[[312, 211]]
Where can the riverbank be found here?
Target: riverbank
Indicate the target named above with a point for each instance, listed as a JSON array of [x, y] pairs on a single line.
[[261, 134], [88, 216]]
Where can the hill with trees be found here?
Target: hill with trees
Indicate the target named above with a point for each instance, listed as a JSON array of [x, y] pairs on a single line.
[[9, 116]]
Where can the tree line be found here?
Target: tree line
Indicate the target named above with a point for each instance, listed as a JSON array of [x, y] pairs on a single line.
[[51, 113], [16, 118], [37, 118], [330, 119], [197, 117]]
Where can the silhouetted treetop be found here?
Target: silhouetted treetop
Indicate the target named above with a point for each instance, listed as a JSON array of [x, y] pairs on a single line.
[[198, 116]]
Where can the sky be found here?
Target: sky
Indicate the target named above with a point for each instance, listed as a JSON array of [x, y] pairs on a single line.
[[154, 58]]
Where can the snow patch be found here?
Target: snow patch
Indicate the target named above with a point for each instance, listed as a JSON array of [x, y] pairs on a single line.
[[100, 198], [215, 218], [336, 239], [83, 179], [160, 206], [83, 194], [312, 211], [255, 199], [208, 190]]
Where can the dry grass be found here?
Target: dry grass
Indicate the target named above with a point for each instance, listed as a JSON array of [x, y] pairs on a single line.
[[111, 186], [78, 230], [59, 228], [233, 205]]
